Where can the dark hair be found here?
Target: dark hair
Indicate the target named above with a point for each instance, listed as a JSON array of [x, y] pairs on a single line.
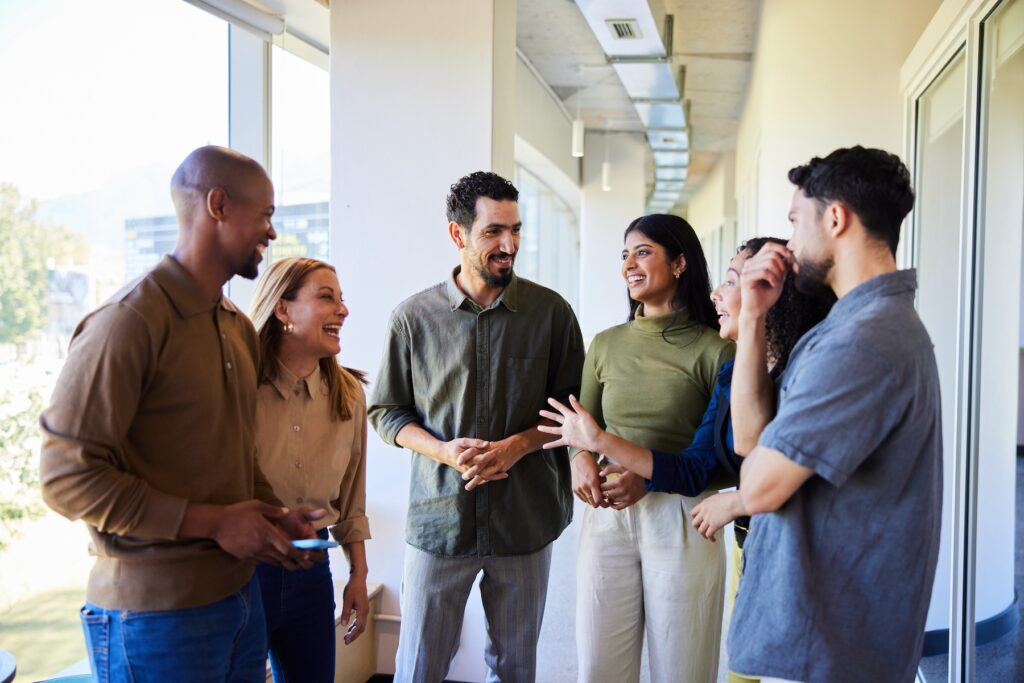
[[793, 314], [693, 290], [463, 195], [873, 183]]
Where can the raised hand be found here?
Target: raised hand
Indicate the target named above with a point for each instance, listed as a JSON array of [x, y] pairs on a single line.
[[573, 424], [762, 278]]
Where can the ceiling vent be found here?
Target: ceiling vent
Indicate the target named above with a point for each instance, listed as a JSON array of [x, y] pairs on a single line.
[[624, 29]]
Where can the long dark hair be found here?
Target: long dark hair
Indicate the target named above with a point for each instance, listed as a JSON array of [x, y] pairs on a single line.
[[792, 315], [693, 289]]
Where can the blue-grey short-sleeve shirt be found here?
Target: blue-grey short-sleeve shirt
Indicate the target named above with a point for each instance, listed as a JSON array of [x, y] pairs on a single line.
[[836, 583]]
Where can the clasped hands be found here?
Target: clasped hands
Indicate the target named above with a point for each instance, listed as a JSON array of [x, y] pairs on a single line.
[[480, 461], [255, 531]]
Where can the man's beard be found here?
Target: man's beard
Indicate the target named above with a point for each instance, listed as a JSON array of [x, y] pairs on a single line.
[[811, 277], [493, 280]]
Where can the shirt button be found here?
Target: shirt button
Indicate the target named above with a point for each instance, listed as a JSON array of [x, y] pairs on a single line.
[[298, 464], [223, 336], [228, 364], [295, 428]]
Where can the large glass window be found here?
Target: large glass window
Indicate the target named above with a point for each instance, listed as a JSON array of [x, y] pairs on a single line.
[[300, 156], [102, 100], [940, 130], [549, 249]]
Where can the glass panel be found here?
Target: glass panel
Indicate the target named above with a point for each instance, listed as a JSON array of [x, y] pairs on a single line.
[[549, 248], [999, 653], [940, 129], [300, 156], [102, 100]]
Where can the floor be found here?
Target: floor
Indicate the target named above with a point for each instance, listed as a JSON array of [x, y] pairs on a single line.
[[1000, 661]]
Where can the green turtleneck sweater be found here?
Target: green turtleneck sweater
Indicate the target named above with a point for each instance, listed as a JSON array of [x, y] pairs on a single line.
[[652, 388]]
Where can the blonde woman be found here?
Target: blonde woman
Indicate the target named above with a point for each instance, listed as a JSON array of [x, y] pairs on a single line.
[[311, 436]]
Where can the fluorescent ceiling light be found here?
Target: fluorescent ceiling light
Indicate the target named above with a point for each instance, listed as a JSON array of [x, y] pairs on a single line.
[[670, 173], [671, 158], [669, 185], [650, 80], [661, 115]]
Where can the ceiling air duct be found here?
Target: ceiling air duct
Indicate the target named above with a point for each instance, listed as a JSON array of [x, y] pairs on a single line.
[[636, 36]]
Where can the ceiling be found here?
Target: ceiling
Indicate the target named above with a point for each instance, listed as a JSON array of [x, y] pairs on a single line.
[[713, 39]]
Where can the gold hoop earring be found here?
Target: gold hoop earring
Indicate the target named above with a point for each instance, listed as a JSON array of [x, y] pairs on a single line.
[[289, 327]]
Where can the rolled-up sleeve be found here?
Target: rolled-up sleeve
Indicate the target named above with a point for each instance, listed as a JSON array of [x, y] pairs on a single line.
[[82, 472], [352, 525], [393, 404]]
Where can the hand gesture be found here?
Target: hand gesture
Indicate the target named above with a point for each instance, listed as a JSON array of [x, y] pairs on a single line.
[[459, 451], [714, 512], [762, 278], [354, 599], [621, 488], [575, 426], [587, 480]]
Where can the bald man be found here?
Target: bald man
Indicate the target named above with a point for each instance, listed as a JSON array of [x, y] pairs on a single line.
[[150, 440]]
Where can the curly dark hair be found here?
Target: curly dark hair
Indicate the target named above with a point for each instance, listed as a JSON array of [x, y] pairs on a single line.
[[463, 195], [873, 183], [793, 314], [693, 291]]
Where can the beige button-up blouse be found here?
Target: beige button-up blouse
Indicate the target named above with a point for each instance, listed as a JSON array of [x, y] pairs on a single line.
[[311, 459]]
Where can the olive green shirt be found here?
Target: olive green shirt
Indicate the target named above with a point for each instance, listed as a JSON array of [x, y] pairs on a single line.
[[459, 370], [154, 409], [652, 386]]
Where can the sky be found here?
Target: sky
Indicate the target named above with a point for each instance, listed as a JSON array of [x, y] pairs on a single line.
[[92, 92]]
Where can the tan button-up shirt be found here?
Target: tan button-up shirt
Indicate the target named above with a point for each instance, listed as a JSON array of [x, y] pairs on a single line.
[[311, 459]]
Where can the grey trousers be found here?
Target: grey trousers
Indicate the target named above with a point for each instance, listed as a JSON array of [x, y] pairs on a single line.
[[434, 594]]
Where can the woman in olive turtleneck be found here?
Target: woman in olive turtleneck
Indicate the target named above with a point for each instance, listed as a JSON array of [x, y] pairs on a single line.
[[641, 566]]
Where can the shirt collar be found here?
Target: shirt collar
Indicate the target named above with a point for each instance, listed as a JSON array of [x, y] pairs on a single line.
[[509, 296], [182, 290], [286, 382], [896, 283]]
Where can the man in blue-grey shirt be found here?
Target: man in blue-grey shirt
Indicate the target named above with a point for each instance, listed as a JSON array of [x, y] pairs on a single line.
[[846, 482]]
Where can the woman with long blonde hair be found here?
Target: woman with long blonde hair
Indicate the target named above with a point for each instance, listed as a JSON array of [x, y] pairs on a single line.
[[311, 436]]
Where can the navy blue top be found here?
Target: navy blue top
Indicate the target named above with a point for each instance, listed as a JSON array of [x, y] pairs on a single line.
[[690, 472]]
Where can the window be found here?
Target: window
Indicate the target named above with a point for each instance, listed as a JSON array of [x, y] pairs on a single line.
[[549, 248], [105, 101]]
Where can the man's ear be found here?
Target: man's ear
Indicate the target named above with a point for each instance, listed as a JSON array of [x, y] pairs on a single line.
[[216, 203], [837, 218], [457, 233]]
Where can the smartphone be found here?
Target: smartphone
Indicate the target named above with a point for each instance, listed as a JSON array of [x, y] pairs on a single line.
[[314, 544]]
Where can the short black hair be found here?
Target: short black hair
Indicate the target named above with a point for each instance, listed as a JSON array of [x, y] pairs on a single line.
[[873, 183], [463, 195]]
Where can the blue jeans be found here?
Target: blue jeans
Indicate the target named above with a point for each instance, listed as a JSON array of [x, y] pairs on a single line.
[[222, 642], [299, 607]]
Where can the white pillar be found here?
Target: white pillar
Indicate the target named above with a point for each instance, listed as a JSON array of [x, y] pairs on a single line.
[[422, 93], [604, 217]]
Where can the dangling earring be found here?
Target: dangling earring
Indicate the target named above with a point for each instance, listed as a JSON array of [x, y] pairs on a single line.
[[678, 273], [289, 327]]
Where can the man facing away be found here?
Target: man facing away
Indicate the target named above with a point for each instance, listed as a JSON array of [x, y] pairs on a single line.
[[467, 364], [846, 482], [150, 440]]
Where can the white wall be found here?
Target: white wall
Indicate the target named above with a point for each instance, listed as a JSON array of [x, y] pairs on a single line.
[[421, 94], [604, 218], [826, 75]]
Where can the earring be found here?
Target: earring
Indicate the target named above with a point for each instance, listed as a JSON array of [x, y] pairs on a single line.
[[677, 274], [289, 327]]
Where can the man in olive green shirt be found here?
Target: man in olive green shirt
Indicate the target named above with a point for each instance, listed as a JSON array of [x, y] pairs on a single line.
[[149, 439], [467, 366]]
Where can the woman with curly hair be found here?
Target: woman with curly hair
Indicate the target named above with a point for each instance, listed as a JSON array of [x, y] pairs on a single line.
[[710, 461]]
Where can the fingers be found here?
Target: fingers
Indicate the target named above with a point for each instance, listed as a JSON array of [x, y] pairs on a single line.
[[554, 417], [269, 511], [564, 410], [612, 468], [466, 455], [313, 515], [467, 442], [358, 626]]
